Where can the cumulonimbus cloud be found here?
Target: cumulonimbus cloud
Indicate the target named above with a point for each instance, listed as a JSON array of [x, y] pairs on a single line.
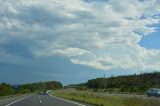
[[103, 35]]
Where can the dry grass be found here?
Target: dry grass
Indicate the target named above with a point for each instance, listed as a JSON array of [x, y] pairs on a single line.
[[91, 98]]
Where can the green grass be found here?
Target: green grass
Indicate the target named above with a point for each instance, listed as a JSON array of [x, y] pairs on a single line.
[[99, 100]]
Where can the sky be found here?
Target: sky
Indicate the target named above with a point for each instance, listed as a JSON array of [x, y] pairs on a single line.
[[72, 41]]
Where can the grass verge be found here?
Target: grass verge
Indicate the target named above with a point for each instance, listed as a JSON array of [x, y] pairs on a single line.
[[98, 100]]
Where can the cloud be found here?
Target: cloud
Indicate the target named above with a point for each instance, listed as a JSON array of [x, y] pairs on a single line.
[[101, 34], [69, 52]]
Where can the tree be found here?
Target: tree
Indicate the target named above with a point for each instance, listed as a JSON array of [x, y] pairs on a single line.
[[5, 89]]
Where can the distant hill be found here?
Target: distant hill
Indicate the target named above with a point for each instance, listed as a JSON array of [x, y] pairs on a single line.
[[130, 83]]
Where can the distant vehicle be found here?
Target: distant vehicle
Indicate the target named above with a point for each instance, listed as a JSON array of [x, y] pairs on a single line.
[[47, 92], [153, 92], [42, 93]]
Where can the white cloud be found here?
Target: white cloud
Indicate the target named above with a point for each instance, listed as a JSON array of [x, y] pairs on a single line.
[[102, 35], [68, 52]]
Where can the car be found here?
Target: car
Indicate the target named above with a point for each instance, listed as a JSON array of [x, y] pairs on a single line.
[[47, 92], [153, 92], [43, 93]]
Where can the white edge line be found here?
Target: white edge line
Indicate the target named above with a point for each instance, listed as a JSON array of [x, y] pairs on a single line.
[[67, 100], [17, 100]]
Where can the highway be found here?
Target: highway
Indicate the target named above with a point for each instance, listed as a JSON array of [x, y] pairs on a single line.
[[44, 100]]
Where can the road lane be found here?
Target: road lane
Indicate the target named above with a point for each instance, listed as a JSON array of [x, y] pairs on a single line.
[[45, 100], [68, 101], [17, 101], [11, 99]]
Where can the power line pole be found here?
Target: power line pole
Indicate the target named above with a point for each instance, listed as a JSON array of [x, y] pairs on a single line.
[[104, 81]]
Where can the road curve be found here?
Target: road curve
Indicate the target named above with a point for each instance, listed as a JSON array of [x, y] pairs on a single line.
[[44, 100]]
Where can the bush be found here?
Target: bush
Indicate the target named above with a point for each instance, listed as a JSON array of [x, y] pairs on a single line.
[[5, 89]]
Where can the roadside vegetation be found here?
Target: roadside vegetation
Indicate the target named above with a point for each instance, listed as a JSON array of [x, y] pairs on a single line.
[[138, 84], [7, 89], [106, 100], [95, 91]]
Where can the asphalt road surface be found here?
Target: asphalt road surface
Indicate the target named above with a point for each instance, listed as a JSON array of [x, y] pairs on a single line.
[[44, 100]]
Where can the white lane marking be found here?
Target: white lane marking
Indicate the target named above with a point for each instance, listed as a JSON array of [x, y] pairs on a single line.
[[67, 100], [17, 101]]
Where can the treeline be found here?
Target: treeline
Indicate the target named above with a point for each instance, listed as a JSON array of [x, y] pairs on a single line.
[[131, 83], [7, 89]]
